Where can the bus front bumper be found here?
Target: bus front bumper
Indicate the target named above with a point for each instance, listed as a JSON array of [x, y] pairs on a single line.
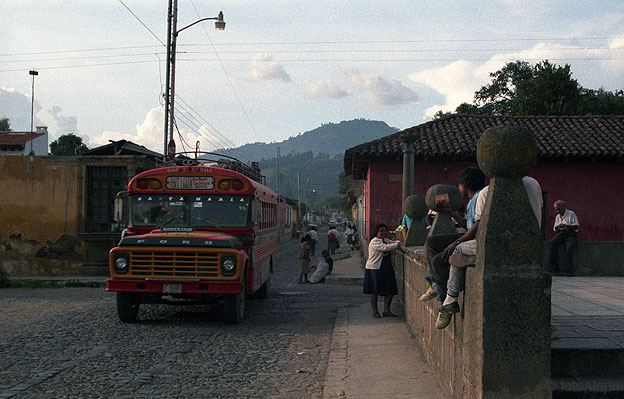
[[167, 287]]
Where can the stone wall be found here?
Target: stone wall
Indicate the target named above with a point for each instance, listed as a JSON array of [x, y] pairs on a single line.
[[40, 201], [443, 349]]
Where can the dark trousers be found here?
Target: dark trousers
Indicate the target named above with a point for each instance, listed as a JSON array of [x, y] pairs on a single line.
[[312, 246], [568, 239], [438, 267], [331, 247]]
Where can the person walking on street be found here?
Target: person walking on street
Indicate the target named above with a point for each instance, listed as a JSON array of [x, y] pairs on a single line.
[[332, 239], [566, 226], [379, 274], [313, 240], [350, 237]]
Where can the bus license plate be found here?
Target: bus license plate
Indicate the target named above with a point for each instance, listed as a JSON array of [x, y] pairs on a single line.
[[172, 288]]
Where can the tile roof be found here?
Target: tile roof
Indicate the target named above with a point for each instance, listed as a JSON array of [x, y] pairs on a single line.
[[17, 138], [122, 147], [456, 136]]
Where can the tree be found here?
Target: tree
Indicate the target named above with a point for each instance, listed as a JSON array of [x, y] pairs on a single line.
[[5, 125], [68, 144], [543, 89]]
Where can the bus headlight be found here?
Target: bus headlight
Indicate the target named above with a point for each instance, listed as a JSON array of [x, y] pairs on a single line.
[[121, 263], [228, 266]]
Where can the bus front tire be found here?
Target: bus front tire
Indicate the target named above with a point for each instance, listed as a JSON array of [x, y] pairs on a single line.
[[127, 306], [234, 306]]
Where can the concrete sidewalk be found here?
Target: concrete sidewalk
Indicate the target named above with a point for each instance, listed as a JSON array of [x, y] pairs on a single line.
[[373, 358]]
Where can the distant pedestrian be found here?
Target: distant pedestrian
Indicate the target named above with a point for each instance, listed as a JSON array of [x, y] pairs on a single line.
[[566, 226], [379, 274], [332, 240], [313, 240], [351, 237], [304, 260]]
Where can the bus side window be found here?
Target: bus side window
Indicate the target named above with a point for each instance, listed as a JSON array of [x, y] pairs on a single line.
[[257, 212]]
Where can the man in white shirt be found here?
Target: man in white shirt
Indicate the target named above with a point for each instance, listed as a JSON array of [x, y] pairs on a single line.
[[566, 226]]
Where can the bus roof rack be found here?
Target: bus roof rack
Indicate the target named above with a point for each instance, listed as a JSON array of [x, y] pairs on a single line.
[[217, 160]]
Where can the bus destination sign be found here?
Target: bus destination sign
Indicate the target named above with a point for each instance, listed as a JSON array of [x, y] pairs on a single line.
[[190, 183]]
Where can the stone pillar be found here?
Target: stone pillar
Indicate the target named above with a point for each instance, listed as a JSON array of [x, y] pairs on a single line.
[[507, 333], [415, 208], [407, 145], [443, 223]]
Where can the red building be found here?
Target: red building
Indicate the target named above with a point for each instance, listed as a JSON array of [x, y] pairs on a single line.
[[580, 160]]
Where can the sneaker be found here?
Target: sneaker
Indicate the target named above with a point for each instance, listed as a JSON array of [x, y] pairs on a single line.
[[452, 307], [432, 292], [389, 314], [376, 315], [444, 319], [459, 260]]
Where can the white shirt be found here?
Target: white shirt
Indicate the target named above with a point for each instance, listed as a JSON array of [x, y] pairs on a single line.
[[335, 233], [376, 249], [349, 231], [313, 235], [319, 272], [569, 218], [534, 192]]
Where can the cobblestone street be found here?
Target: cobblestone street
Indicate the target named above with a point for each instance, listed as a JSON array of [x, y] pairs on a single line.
[[69, 343]]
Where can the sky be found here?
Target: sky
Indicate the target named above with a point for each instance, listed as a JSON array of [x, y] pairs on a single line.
[[281, 67]]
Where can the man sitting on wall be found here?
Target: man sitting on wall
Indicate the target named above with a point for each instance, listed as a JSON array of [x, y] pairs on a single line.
[[439, 247], [464, 254]]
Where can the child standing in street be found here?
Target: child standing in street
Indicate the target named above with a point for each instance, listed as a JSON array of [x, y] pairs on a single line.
[[304, 260]]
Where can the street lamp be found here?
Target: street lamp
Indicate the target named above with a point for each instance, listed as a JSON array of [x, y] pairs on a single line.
[[171, 56], [33, 73]]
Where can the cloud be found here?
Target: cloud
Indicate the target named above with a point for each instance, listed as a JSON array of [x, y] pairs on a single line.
[[262, 67], [64, 124], [379, 92], [459, 80], [325, 88], [150, 134], [617, 42], [17, 107]]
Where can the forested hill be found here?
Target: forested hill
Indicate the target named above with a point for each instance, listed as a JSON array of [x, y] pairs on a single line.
[[331, 139]]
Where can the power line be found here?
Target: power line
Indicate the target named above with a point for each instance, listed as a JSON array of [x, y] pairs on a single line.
[[215, 131], [142, 23], [511, 59], [299, 51], [306, 43], [240, 103]]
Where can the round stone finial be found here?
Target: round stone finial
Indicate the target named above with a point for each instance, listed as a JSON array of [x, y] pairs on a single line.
[[455, 197], [506, 151], [415, 206]]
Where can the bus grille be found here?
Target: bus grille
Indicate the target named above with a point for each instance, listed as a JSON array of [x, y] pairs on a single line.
[[174, 264]]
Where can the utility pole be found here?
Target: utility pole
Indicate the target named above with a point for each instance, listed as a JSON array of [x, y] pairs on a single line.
[[33, 73], [279, 197], [172, 35], [170, 89], [298, 197]]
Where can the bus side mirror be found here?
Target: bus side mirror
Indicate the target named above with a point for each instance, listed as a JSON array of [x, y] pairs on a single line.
[[118, 207]]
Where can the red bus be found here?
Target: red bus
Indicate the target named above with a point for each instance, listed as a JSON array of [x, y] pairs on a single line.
[[195, 233]]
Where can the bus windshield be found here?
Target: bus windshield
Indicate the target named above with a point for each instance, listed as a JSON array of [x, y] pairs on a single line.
[[190, 210]]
